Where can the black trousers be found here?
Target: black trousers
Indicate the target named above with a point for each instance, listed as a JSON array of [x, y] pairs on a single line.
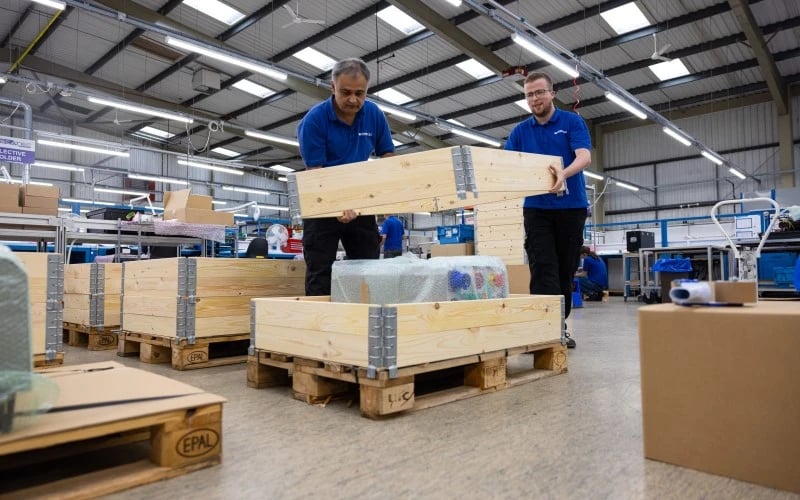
[[360, 239], [553, 240], [388, 254]]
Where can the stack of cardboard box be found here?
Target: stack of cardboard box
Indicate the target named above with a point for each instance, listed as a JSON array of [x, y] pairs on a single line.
[[39, 200], [193, 208]]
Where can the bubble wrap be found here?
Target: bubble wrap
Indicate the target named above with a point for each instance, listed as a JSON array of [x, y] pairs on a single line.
[[408, 279], [175, 228], [15, 335]]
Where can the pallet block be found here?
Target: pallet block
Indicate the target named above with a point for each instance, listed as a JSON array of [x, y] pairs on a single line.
[[46, 291], [91, 443], [92, 294], [204, 353], [93, 338], [198, 297], [429, 181]]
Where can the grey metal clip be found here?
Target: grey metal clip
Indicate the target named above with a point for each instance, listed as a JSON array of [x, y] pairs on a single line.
[[187, 299], [382, 341], [54, 309], [464, 170], [390, 340], [563, 322], [294, 199], [252, 349]]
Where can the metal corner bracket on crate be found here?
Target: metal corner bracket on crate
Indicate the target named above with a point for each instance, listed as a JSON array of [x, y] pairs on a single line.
[[187, 300], [251, 351], [97, 289], [54, 316], [294, 199], [382, 341], [464, 170]]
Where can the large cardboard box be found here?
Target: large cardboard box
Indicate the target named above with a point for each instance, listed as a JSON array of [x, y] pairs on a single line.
[[193, 208], [720, 389], [202, 297], [453, 249], [39, 211], [9, 198], [519, 279]]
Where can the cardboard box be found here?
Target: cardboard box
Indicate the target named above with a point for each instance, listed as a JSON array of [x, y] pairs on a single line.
[[735, 292], [9, 197], [40, 211], [720, 389], [519, 279], [193, 208], [8, 209], [39, 202], [453, 249], [36, 190]]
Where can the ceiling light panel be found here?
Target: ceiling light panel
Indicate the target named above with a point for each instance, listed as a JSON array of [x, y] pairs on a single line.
[[399, 20], [393, 96], [668, 70], [475, 69], [625, 18], [315, 58], [253, 88], [229, 153], [216, 9], [163, 134]]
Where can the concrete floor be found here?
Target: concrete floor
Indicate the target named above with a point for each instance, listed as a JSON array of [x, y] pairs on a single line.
[[577, 435]]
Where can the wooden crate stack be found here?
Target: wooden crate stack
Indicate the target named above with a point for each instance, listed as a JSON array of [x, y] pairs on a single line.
[[184, 305], [92, 304], [499, 231], [46, 291]]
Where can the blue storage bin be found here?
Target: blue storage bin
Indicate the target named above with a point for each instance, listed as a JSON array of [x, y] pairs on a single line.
[[784, 277], [456, 234]]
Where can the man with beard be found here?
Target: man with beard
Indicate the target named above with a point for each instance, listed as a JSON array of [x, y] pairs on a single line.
[[554, 221], [343, 129]]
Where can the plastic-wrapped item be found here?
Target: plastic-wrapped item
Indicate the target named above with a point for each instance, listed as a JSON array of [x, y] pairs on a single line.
[[408, 279], [23, 397]]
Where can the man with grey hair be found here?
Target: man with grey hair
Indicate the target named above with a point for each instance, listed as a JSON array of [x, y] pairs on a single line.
[[342, 129]]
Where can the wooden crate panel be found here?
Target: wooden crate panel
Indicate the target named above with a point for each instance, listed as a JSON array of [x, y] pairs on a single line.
[[36, 267], [501, 232], [155, 325], [422, 181], [77, 308], [77, 278], [338, 332]]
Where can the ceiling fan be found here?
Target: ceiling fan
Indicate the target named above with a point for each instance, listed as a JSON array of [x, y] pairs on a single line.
[[297, 18], [657, 54]]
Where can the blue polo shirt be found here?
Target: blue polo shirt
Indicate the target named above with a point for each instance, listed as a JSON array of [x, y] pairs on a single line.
[[560, 136], [393, 228], [328, 141], [596, 271]]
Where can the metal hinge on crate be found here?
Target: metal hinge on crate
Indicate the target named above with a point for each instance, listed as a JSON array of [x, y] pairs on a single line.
[[252, 349], [382, 343], [97, 284], [186, 300], [464, 170], [294, 199], [54, 314]]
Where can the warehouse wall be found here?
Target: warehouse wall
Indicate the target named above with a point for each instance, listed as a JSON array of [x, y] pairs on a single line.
[[677, 176]]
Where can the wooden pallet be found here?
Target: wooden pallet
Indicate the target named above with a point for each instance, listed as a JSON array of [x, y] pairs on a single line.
[[204, 353], [39, 360], [106, 456], [93, 338], [414, 388]]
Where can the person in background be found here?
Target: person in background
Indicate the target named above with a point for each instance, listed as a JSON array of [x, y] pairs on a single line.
[[554, 221], [343, 129], [392, 234], [593, 275]]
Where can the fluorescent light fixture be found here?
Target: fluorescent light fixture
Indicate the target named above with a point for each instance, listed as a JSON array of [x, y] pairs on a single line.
[[141, 110], [225, 152], [207, 166], [396, 112], [593, 175], [677, 136], [625, 18], [399, 20], [54, 4], [454, 3], [121, 191], [2, 80], [315, 58], [456, 122], [241, 216], [474, 69], [35, 183], [668, 70], [82, 210], [158, 178], [555, 60], [281, 168], [219, 55], [627, 106], [523, 103], [216, 9], [237, 189], [274, 207], [712, 157], [57, 166], [737, 173], [252, 87], [163, 134], [476, 137], [88, 202], [283, 179], [626, 186], [393, 96], [215, 202], [271, 137], [80, 147]]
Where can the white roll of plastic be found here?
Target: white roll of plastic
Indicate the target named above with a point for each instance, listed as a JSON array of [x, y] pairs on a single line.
[[691, 292]]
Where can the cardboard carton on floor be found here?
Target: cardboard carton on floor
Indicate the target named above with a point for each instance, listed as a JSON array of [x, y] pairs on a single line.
[[453, 249], [720, 389]]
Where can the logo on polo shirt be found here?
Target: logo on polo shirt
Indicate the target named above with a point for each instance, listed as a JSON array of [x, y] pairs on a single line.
[[365, 134], [562, 131]]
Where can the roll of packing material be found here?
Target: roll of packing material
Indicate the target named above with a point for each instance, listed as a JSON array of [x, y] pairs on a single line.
[[691, 292]]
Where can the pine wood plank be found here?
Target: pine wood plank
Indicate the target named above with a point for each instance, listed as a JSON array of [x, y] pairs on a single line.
[[313, 315]]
